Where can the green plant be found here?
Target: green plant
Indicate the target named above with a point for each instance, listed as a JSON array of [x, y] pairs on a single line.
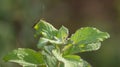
[[56, 49]]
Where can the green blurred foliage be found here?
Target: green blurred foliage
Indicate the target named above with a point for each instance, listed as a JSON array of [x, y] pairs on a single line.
[[17, 18]]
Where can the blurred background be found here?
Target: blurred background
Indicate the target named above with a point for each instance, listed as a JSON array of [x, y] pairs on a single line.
[[17, 18]]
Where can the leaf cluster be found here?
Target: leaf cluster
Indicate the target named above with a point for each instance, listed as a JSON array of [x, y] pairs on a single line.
[[56, 48]]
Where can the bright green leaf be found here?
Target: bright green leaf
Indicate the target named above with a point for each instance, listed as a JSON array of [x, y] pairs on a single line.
[[75, 61], [88, 35], [70, 60], [76, 58], [63, 33], [25, 57], [49, 59], [44, 41], [45, 29], [86, 39]]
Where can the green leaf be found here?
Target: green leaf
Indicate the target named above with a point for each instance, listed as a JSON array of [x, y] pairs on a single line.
[[88, 35], [25, 57], [63, 33], [75, 61], [86, 39], [70, 60], [59, 39], [44, 41], [75, 57], [45, 29], [49, 58]]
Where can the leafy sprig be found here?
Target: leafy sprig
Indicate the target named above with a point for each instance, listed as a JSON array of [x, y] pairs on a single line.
[[57, 50]]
